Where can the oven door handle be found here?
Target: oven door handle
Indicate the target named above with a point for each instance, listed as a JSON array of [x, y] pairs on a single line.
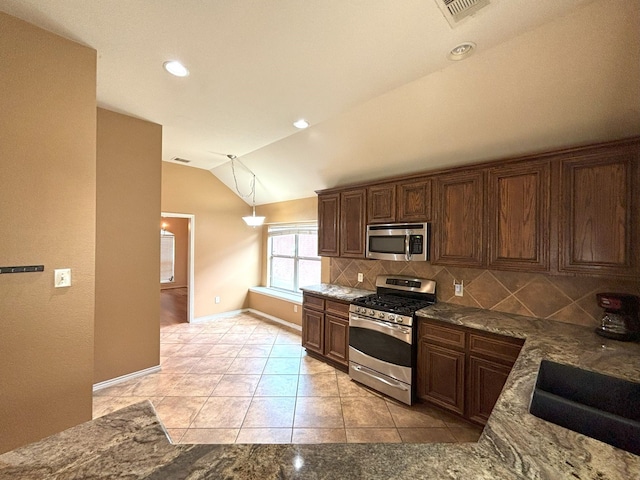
[[391, 326], [372, 374], [366, 322]]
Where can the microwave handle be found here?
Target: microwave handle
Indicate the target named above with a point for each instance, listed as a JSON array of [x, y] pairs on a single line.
[[407, 247]]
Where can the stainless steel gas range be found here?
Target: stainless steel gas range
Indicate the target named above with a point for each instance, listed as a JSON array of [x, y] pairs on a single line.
[[382, 340]]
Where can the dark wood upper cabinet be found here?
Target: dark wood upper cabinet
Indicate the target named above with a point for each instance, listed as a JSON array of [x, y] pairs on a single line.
[[382, 203], [458, 229], [599, 211], [329, 224], [414, 201], [518, 199], [569, 212], [353, 222]]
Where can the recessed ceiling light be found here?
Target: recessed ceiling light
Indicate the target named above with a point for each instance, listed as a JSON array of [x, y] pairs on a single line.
[[461, 51], [302, 123], [176, 68]]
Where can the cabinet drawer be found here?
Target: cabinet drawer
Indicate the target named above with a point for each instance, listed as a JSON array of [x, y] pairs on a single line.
[[316, 303], [337, 308], [448, 336], [505, 349]]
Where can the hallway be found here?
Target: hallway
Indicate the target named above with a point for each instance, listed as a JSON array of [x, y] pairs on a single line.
[[173, 306]]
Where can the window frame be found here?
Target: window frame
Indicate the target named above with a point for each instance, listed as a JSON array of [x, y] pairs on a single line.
[[296, 229], [166, 234]]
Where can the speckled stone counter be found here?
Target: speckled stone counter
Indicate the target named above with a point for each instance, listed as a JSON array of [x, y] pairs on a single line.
[[527, 445], [131, 443], [338, 292]]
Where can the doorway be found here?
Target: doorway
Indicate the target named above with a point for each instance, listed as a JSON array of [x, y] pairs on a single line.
[[177, 276]]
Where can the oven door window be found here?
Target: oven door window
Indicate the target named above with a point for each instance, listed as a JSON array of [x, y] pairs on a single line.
[[387, 244], [381, 346]]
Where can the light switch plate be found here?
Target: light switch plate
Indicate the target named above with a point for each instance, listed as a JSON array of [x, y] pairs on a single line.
[[458, 289], [62, 277], [360, 277]]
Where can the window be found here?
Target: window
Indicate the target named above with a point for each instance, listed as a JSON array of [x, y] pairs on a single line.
[[293, 256], [167, 256]]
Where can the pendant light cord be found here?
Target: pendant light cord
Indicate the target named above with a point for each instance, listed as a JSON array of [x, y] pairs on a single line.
[[235, 180]]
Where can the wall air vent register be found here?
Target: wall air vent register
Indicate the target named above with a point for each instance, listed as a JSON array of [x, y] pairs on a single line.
[[181, 160]]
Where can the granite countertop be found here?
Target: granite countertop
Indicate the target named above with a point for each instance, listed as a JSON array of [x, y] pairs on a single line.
[[131, 443], [338, 292]]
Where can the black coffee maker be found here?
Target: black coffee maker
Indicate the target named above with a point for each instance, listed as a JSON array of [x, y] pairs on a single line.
[[621, 320]]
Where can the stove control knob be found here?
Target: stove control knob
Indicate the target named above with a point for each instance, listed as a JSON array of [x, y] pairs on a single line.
[[358, 309], [372, 313], [400, 320], [381, 315], [391, 318]]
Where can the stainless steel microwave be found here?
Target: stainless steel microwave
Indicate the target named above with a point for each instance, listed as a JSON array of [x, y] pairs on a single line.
[[398, 241]]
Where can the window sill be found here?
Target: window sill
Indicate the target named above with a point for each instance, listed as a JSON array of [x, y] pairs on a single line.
[[272, 292]]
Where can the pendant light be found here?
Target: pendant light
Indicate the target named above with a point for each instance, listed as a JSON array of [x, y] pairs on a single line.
[[250, 220]]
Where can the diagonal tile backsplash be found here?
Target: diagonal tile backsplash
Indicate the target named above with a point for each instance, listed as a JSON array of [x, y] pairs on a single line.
[[568, 299]]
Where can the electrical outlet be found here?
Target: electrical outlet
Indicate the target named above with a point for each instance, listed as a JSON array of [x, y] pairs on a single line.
[[217, 299], [360, 277], [458, 289], [62, 277], [295, 309]]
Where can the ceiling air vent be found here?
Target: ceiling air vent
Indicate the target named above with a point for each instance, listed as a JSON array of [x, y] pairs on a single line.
[[456, 10], [182, 160]]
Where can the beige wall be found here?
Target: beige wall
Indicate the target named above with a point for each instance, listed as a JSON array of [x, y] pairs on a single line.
[[127, 325], [227, 251], [301, 210], [47, 216], [276, 307], [180, 229]]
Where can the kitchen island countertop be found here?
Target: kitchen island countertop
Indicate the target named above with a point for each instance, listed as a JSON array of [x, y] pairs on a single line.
[[131, 443]]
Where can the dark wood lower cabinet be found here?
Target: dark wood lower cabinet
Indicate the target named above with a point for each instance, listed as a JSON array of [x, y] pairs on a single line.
[[461, 369], [486, 379], [443, 376], [336, 339], [325, 329], [312, 330]]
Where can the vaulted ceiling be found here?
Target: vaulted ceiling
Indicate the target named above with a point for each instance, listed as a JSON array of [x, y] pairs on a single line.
[[372, 77]]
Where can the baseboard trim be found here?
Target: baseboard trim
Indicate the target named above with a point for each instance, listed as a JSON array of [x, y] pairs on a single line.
[[295, 326], [124, 378], [230, 313]]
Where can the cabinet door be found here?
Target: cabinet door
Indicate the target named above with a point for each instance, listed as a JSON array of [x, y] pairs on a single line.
[[328, 225], [441, 376], [458, 230], [313, 331], [486, 379], [414, 201], [598, 215], [353, 223], [381, 203], [336, 339], [518, 198]]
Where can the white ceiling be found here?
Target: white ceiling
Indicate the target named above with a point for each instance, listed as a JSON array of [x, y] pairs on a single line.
[[256, 66]]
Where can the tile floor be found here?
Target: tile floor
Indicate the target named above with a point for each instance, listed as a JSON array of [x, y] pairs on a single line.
[[246, 379]]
